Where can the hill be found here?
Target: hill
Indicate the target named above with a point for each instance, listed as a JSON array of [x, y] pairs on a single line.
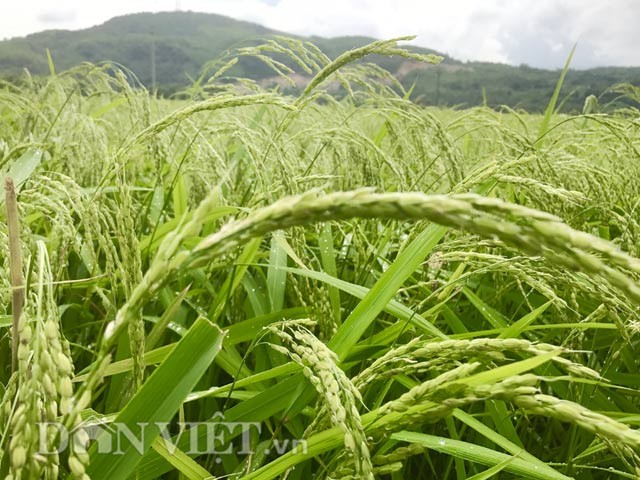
[[183, 42]]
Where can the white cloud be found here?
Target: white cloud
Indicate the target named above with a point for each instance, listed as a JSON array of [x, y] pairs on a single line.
[[538, 33]]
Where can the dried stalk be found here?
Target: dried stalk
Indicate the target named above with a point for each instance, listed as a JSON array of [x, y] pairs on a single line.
[[15, 265]]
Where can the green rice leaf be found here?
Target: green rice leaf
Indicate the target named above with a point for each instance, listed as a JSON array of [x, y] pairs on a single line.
[[157, 401], [477, 454]]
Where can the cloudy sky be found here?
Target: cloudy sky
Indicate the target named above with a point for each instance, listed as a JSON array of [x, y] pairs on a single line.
[[539, 33]]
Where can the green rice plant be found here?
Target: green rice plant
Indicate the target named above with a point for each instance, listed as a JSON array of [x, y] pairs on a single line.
[[387, 290]]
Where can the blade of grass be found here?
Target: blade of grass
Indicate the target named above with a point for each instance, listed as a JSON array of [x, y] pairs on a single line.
[[328, 258], [385, 289], [492, 316], [276, 278], [474, 453], [551, 107], [234, 278], [180, 461], [21, 170], [502, 442], [491, 471], [157, 401], [158, 329], [52, 67], [515, 329], [393, 307], [240, 332]]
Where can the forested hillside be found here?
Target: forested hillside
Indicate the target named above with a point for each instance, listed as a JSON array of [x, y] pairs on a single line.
[[179, 44]]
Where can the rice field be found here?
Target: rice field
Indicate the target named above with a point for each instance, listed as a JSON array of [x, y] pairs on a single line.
[[332, 284]]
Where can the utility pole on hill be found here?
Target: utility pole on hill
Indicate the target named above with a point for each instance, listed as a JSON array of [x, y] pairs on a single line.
[[153, 60], [438, 73]]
